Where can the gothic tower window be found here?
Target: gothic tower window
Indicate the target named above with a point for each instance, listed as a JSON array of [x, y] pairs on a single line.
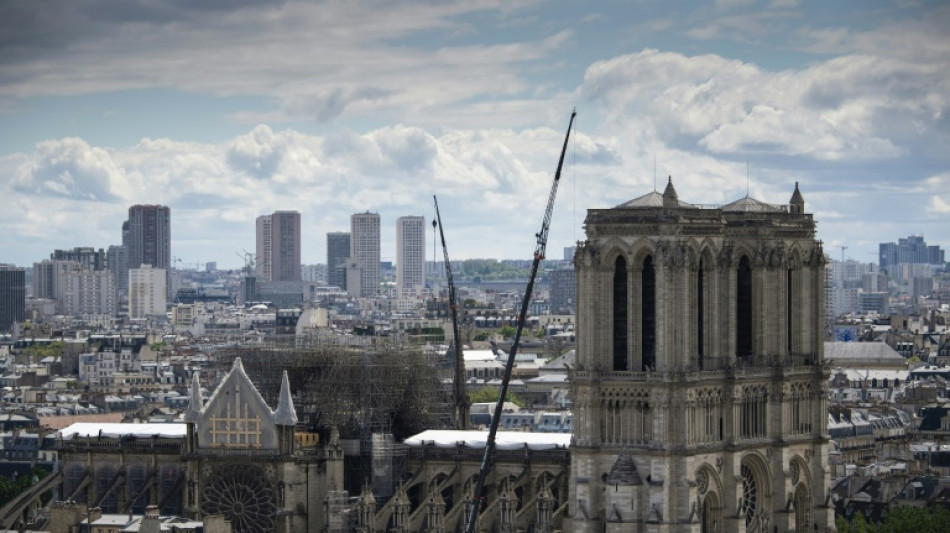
[[699, 314], [710, 514], [744, 308], [620, 314], [788, 311], [648, 314], [802, 509]]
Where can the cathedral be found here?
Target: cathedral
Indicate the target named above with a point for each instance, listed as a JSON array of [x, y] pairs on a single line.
[[699, 391], [233, 457], [699, 398]]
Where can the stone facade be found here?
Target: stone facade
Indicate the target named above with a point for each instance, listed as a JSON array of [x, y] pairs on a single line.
[[233, 457], [699, 391]]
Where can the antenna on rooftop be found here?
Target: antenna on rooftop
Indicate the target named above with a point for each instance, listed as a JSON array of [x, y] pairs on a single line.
[[746, 178], [654, 172]]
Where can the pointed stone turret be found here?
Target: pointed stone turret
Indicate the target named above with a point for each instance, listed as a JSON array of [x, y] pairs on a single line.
[[624, 471], [193, 412], [797, 203], [285, 415], [366, 510], [670, 198]]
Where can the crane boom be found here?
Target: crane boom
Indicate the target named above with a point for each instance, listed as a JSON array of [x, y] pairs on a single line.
[[461, 400], [542, 236]]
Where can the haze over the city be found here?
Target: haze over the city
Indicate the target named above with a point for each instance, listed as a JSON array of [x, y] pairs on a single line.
[[226, 113]]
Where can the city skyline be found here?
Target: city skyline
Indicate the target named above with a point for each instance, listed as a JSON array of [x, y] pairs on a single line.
[[466, 101]]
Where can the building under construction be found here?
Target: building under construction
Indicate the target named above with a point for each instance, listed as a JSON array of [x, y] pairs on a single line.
[[373, 391]]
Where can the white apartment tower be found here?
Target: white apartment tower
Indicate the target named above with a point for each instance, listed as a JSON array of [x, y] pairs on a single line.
[[278, 246], [78, 290], [410, 254], [146, 291], [364, 251]]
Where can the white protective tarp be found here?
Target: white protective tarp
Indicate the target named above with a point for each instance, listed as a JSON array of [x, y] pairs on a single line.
[[115, 431], [504, 440]]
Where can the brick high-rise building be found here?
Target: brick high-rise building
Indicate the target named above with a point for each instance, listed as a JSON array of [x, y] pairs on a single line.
[[278, 246], [364, 251], [410, 254]]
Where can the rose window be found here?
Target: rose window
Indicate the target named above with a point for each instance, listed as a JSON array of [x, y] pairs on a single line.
[[242, 494], [750, 495]]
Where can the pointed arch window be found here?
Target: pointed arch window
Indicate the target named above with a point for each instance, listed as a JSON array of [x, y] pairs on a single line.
[[788, 311], [620, 315], [648, 314], [700, 317], [744, 308]]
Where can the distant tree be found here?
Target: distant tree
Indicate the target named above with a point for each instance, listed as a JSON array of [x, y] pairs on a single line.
[[490, 395], [916, 519], [554, 348], [467, 333], [899, 519], [507, 331], [859, 525], [13, 487], [39, 351]]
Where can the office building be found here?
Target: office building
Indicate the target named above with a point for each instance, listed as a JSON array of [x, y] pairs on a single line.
[[12, 296], [278, 246], [912, 249], [338, 250], [364, 250], [314, 274], [410, 254], [45, 275], [563, 291], [569, 253], [76, 288], [146, 291], [86, 292], [118, 260], [88, 257], [699, 392], [149, 236]]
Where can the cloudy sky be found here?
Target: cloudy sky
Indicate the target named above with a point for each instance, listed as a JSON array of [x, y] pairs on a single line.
[[232, 109]]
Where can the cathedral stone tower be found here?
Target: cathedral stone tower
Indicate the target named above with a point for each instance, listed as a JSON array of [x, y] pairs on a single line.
[[699, 391]]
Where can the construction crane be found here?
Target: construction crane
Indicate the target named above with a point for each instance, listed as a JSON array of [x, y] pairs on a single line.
[[843, 248], [462, 403], [542, 242], [248, 258]]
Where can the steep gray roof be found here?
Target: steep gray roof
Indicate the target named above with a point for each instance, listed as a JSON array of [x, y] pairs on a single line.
[[749, 204], [852, 351], [650, 199], [562, 362]]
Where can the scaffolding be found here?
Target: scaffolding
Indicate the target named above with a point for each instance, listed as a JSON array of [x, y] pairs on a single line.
[[341, 512], [374, 391]]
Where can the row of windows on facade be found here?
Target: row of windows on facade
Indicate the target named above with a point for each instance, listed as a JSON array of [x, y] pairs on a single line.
[[743, 311], [632, 422]]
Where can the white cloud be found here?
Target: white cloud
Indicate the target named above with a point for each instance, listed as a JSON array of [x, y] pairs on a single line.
[[939, 205], [849, 107], [70, 168]]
